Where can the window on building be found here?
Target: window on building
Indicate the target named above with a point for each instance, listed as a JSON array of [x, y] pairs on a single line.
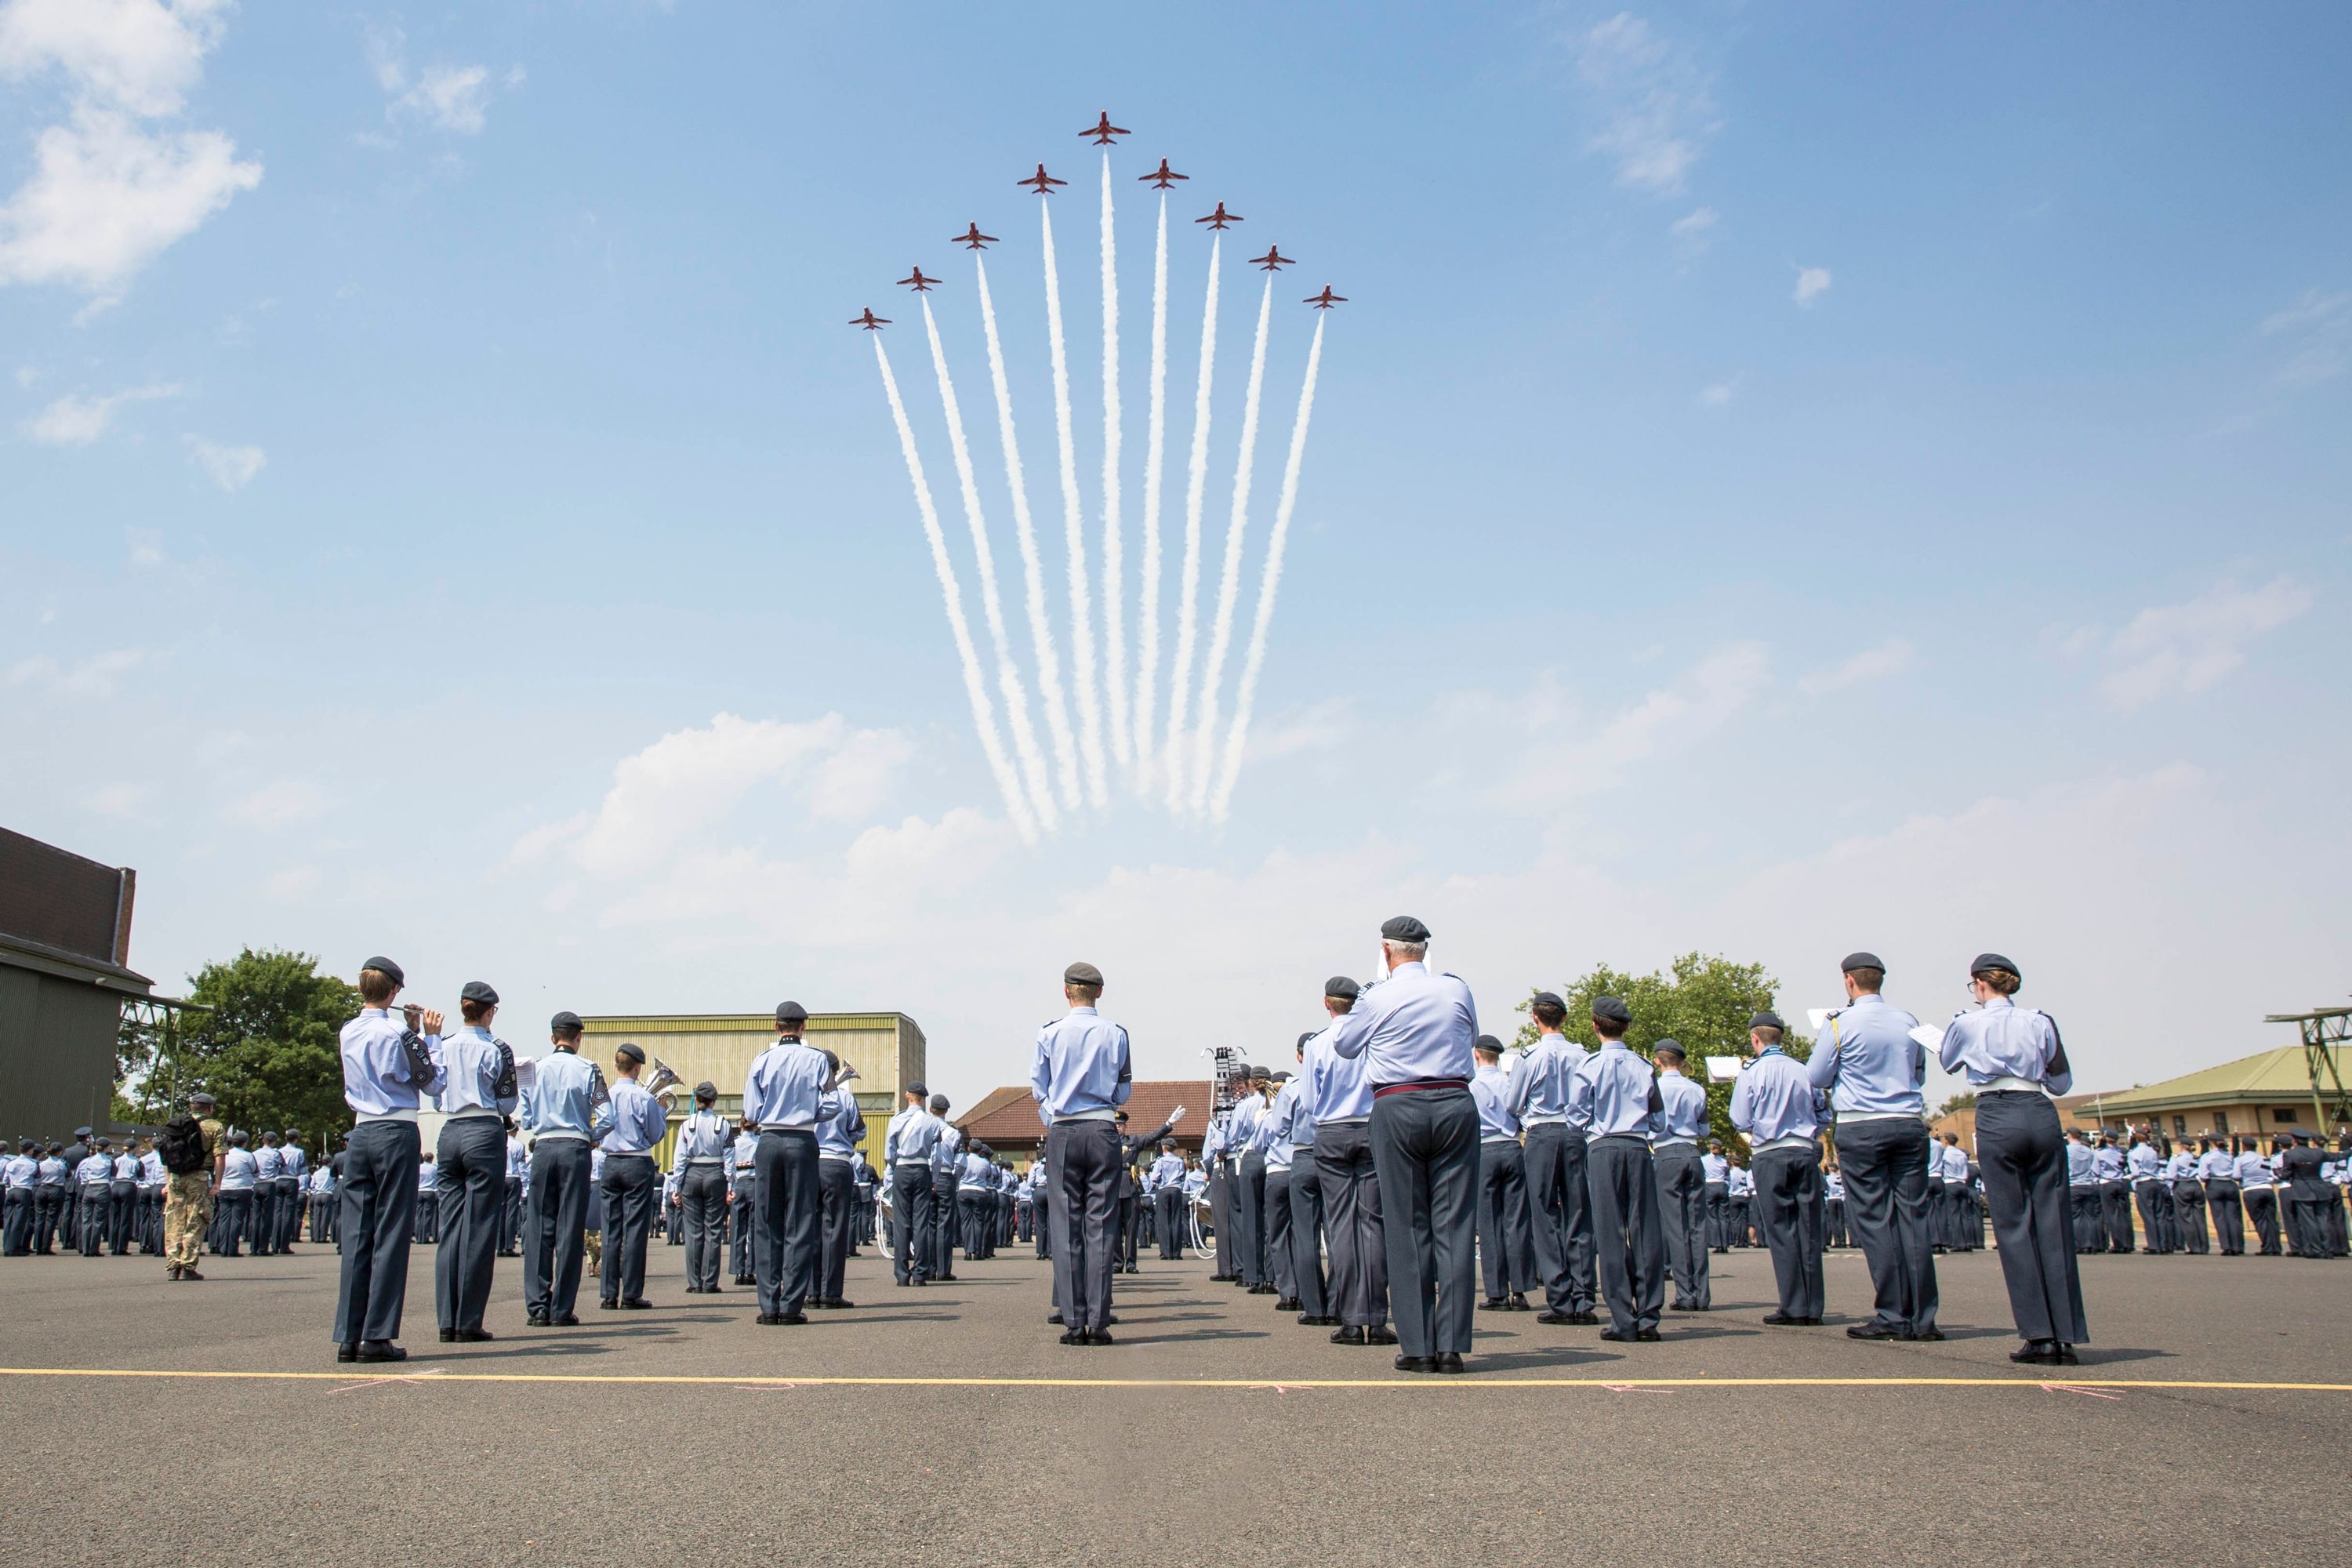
[[2283, 1115], [2221, 1121], [2180, 1127]]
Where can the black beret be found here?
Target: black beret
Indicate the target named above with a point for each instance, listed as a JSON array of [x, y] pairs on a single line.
[[1258, 1072], [939, 1103], [1404, 928], [294, 1132], [1541, 997], [706, 1089], [388, 970], [1669, 1046], [1082, 974], [1994, 961], [1341, 986], [916, 1089], [479, 991], [1767, 1021], [562, 1022], [1278, 1076], [1488, 1043], [1304, 1037], [200, 1097], [1612, 1009], [635, 1053], [1854, 961], [791, 1013]]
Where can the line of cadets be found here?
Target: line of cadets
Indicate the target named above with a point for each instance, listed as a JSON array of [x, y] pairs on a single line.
[[2294, 1188]]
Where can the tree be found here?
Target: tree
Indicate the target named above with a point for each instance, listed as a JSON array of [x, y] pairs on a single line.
[[1704, 1003], [268, 1050], [1967, 1101]]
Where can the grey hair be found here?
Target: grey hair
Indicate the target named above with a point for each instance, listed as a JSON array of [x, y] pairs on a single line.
[[1405, 952]]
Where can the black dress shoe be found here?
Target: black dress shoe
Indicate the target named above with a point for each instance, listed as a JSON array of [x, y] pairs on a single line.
[[1379, 1335], [1873, 1330], [1782, 1321], [769, 1320], [569, 1321], [1549, 1316], [610, 1305], [793, 1319], [1317, 1320], [1584, 1319], [838, 1305], [1099, 1337], [1494, 1304], [448, 1336], [2036, 1352], [638, 1304], [1289, 1304], [1519, 1302], [1109, 1317], [537, 1320], [2066, 1356], [475, 1336], [1074, 1337], [1054, 1318], [1613, 1337], [1648, 1336], [347, 1352], [1928, 1336], [1447, 1360], [380, 1349], [1415, 1363], [1348, 1334]]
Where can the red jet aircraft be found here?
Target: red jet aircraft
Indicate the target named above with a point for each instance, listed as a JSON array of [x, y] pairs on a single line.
[[1160, 176], [1220, 218], [1042, 181], [1102, 131], [1326, 299], [1273, 261], [974, 239], [869, 321], [920, 284]]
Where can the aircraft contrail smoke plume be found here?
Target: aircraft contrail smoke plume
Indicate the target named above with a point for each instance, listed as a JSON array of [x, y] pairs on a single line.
[[1189, 582], [1033, 572], [1270, 583], [1230, 583], [984, 716], [1074, 536], [1008, 674], [1114, 571], [1155, 450]]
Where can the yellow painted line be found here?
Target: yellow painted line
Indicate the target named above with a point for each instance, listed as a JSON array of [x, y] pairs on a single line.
[[439, 1374]]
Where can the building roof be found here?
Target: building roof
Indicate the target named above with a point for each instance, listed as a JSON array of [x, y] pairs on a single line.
[[2276, 1075], [1008, 1116]]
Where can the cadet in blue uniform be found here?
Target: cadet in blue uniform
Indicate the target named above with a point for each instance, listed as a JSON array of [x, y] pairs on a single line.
[[743, 1201], [946, 1191], [1342, 1091], [1278, 1153], [1715, 1167], [1166, 1180], [1876, 1075], [1682, 1178], [1614, 1098], [628, 1185], [478, 1092], [388, 1067], [2218, 1169], [1310, 1286], [1080, 1075], [1415, 1031], [1558, 1206], [1214, 1145], [2082, 1193], [1776, 1104], [23, 1177], [906, 1147], [838, 1133], [1506, 1238], [700, 1160], [2015, 1061], [565, 1110], [2257, 1190], [93, 1189], [293, 1177], [2113, 1173], [2146, 1166], [1247, 1203], [788, 1091]]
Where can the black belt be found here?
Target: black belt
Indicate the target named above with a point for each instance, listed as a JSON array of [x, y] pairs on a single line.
[[1416, 1085]]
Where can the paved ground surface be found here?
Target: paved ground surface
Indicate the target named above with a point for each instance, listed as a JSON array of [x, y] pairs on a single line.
[[689, 1431]]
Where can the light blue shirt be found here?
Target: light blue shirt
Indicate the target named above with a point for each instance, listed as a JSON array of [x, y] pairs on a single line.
[[237, 1171], [1685, 1106], [268, 1164], [1490, 1092], [53, 1172], [23, 1171], [639, 1120], [2217, 1165], [567, 1098], [95, 1169], [150, 1170], [1241, 1132], [1870, 1064], [1293, 1112], [2146, 1164], [2082, 1169], [947, 1154], [126, 1167], [1341, 1085], [702, 1139], [1413, 1027], [788, 1086], [295, 1162], [2181, 1167], [2108, 1161], [429, 1176], [1615, 1092], [2003, 1040], [1081, 1069], [473, 1063], [910, 1137], [1712, 1166], [376, 1068], [1540, 1083], [1166, 1172], [841, 1129], [1775, 1102]]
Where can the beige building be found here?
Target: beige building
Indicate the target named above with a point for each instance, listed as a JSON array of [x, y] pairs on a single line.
[[2258, 1096], [887, 1048]]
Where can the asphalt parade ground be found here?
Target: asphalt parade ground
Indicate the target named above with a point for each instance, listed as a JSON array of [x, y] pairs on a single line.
[[209, 1423]]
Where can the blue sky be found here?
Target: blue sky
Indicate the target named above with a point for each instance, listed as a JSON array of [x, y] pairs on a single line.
[[1785, 479]]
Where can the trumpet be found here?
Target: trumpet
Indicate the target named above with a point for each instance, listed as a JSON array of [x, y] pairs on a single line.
[[664, 1081]]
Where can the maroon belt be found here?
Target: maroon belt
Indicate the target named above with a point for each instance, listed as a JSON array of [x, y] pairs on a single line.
[[1419, 1084]]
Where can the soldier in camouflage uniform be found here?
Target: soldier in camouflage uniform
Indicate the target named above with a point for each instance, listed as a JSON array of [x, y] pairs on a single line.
[[188, 1196]]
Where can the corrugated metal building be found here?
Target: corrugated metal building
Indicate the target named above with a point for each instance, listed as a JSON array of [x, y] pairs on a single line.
[[65, 949]]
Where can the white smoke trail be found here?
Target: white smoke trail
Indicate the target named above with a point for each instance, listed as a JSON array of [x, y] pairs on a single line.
[[984, 716], [1074, 536], [1230, 584], [1008, 674], [1114, 571], [1272, 581], [1033, 573], [1189, 582], [1147, 653]]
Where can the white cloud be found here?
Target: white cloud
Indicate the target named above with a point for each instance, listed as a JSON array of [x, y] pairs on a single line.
[[1715, 395], [1694, 233], [2184, 648], [1566, 753], [230, 467], [73, 420], [95, 676], [1890, 658], [293, 884], [1812, 282], [107, 195], [1650, 102], [450, 98], [847, 785], [274, 805], [117, 799], [2320, 327], [27, 376], [146, 548], [1318, 727]]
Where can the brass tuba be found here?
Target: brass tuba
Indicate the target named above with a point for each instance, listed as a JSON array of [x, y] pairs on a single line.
[[664, 1081]]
